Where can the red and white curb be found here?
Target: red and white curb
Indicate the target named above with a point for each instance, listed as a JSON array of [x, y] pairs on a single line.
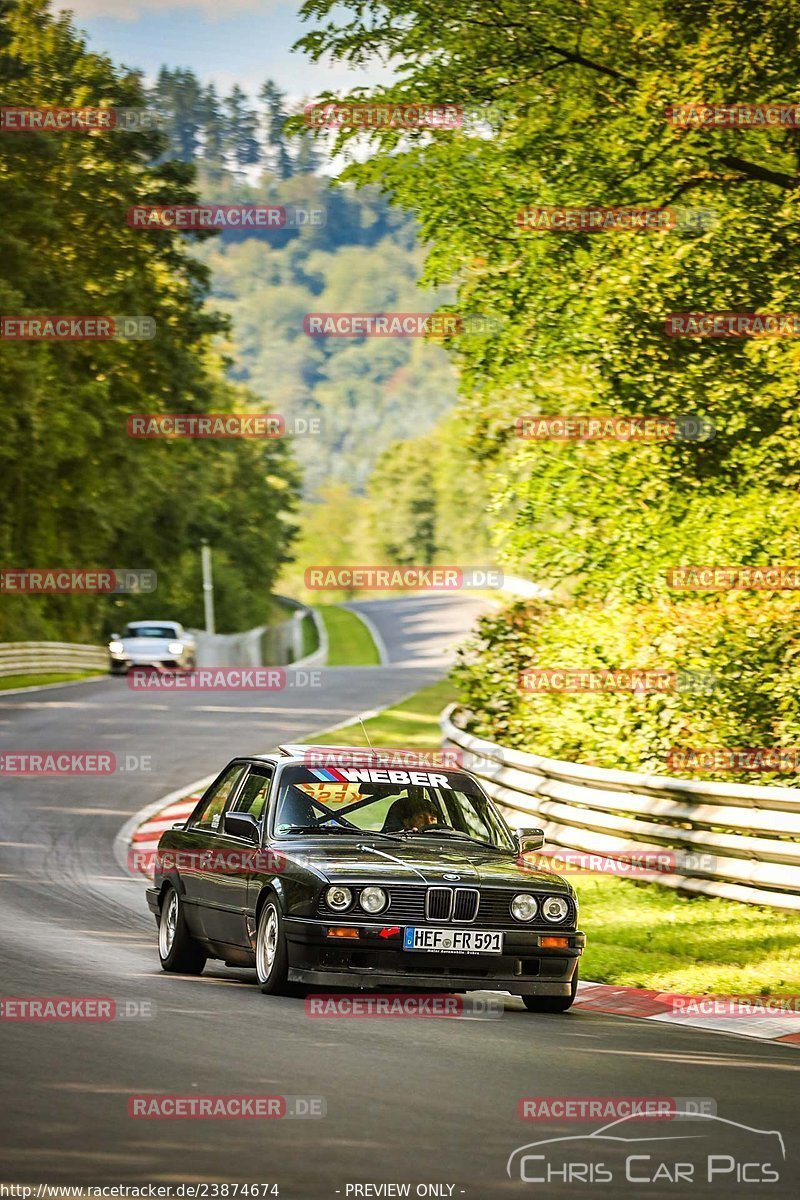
[[660, 1006], [146, 838], [143, 831]]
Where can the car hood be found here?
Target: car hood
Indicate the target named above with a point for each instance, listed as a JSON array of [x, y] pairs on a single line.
[[422, 860]]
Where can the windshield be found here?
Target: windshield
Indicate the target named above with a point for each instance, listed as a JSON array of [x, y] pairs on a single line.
[[151, 631], [401, 804]]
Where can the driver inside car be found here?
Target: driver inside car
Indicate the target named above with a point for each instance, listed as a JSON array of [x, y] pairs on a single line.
[[410, 813], [420, 816]]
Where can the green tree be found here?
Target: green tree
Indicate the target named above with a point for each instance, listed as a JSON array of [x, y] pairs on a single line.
[[569, 109], [334, 531], [75, 490], [404, 504], [244, 147], [178, 98], [427, 505], [274, 123], [214, 134]]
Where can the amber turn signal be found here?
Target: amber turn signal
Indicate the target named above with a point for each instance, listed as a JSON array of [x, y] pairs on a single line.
[[554, 943], [343, 931]]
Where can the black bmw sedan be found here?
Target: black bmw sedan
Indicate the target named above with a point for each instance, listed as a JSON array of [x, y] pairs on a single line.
[[365, 875]]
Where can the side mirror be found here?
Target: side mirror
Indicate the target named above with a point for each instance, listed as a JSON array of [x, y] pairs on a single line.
[[241, 825], [528, 839]]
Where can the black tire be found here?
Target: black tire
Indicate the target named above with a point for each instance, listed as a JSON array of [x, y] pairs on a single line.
[[272, 956], [552, 1004], [115, 670], [177, 950]]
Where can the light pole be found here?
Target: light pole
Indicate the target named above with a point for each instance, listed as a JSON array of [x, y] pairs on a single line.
[[208, 586]]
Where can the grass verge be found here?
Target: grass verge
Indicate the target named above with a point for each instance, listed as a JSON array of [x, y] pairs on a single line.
[[638, 934], [350, 643], [22, 681], [413, 723]]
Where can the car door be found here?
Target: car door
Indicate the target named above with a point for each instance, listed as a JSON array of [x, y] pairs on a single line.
[[225, 891], [200, 839]]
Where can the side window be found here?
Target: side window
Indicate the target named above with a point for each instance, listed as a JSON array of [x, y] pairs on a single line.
[[211, 816], [253, 795]]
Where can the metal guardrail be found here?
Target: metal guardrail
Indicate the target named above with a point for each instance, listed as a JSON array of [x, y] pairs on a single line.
[[213, 650], [47, 658], [280, 644], [318, 657], [737, 841], [230, 649]]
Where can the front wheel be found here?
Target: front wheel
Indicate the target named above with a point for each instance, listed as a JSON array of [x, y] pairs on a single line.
[[177, 950], [272, 957], [552, 1004]]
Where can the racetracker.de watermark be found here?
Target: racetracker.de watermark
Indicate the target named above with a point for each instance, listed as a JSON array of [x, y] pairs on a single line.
[[180, 217], [608, 1108], [330, 114], [207, 862], [404, 1005], [220, 425], [639, 680], [154, 1106], [98, 581], [450, 757], [734, 758], [732, 325], [597, 428], [142, 1191], [632, 863], [223, 679], [726, 578], [76, 329], [551, 218], [400, 324], [398, 579], [74, 1008], [72, 762], [79, 120], [701, 115], [734, 1006]]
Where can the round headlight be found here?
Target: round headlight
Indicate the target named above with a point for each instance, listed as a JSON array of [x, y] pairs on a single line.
[[554, 908], [524, 907], [115, 647], [339, 898], [175, 647], [373, 899]]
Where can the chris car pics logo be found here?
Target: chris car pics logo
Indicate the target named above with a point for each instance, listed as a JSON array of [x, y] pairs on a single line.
[[697, 1150]]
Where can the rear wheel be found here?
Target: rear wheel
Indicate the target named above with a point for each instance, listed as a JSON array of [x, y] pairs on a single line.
[[272, 956], [177, 950], [552, 1004]]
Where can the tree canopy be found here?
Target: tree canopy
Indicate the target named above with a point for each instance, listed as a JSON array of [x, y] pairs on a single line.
[[75, 490], [568, 105]]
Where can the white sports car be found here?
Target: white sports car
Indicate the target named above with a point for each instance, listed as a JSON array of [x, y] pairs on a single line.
[[152, 644]]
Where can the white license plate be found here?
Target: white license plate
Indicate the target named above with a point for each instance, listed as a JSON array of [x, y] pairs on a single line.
[[453, 941]]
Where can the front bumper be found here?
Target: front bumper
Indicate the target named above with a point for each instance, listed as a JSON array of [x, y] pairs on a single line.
[[525, 968], [125, 662]]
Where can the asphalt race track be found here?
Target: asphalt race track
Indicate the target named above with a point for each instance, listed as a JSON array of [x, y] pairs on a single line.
[[417, 1102]]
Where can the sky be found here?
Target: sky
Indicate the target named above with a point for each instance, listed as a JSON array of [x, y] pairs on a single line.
[[227, 41]]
